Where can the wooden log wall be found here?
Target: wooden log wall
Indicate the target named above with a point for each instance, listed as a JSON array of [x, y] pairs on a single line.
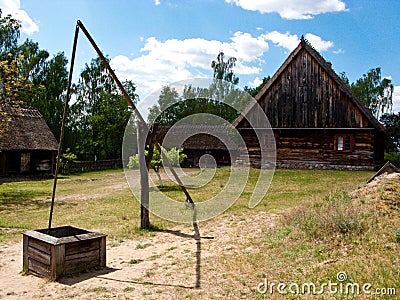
[[304, 148]]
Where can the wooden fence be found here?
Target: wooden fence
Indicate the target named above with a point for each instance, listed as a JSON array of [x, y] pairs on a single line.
[[86, 166]]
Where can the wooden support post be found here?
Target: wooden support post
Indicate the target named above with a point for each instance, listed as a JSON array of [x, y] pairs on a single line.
[[103, 255], [144, 177]]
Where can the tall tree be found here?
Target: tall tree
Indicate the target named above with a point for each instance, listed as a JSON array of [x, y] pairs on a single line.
[[374, 92], [392, 124], [224, 69], [28, 78], [12, 85], [9, 35], [99, 116], [165, 109]]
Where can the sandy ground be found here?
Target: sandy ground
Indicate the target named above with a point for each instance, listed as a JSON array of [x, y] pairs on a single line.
[[162, 266]]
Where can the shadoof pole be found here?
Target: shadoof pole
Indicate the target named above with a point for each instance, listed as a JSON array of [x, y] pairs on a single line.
[[145, 223]]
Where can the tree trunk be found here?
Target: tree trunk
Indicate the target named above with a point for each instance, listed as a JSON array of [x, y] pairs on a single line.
[[159, 178]]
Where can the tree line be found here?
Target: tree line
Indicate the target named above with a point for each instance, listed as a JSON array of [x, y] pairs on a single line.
[[30, 77], [98, 114]]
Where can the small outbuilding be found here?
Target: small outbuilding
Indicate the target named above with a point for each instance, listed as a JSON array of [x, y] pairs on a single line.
[[199, 140], [27, 145]]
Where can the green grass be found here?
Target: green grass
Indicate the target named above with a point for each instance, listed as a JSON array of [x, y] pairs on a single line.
[[324, 228], [88, 201]]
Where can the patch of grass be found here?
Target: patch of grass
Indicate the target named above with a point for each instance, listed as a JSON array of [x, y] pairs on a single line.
[[135, 261], [334, 216], [96, 201], [397, 235], [129, 289], [143, 246], [100, 289]]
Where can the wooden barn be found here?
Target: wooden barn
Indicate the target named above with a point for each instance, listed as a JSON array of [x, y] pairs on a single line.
[[317, 121], [27, 146], [205, 142]]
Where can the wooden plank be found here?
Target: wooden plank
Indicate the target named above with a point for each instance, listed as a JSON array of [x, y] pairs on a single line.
[[103, 256], [80, 264], [59, 260], [53, 263], [83, 255], [25, 241], [82, 246], [79, 238], [41, 236], [38, 268], [39, 255], [39, 245]]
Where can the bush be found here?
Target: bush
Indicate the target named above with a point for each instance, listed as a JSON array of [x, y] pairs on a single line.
[[393, 157], [334, 215]]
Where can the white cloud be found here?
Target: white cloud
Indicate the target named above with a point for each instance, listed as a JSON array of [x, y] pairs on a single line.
[[172, 60], [255, 83], [164, 62], [291, 41], [12, 7], [396, 99], [339, 51], [319, 44], [292, 9], [285, 40], [157, 2]]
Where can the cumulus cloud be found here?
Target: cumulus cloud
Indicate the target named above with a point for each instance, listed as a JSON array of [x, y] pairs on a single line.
[[290, 41], [255, 83], [284, 40], [13, 7], [292, 9], [172, 60], [164, 62], [157, 2], [318, 43]]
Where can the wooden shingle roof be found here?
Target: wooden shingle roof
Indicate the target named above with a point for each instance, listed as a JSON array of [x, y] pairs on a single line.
[[27, 130]]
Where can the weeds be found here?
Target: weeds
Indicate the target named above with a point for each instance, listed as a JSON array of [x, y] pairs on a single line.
[[334, 216], [397, 235]]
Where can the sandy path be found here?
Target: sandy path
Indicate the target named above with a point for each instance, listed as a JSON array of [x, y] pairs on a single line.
[[161, 266]]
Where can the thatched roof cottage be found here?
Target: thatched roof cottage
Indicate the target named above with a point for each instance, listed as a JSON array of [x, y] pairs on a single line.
[[27, 145]]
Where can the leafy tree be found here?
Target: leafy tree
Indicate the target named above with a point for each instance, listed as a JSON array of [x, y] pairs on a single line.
[[212, 100], [28, 78], [224, 69], [392, 124], [12, 85], [9, 35], [254, 91], [374, 92], [168, 96], [99, 116], [175, 157]]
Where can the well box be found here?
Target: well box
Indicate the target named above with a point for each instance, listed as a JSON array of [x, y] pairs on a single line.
[[65, 250]]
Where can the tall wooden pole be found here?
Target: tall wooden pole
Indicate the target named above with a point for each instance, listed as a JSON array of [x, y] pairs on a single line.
[[144, 177]]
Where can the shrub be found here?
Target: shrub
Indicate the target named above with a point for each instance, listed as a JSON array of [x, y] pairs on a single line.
[[393, 157], [335, 215]]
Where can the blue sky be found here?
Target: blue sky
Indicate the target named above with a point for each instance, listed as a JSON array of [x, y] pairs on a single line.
[[157, 42]]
